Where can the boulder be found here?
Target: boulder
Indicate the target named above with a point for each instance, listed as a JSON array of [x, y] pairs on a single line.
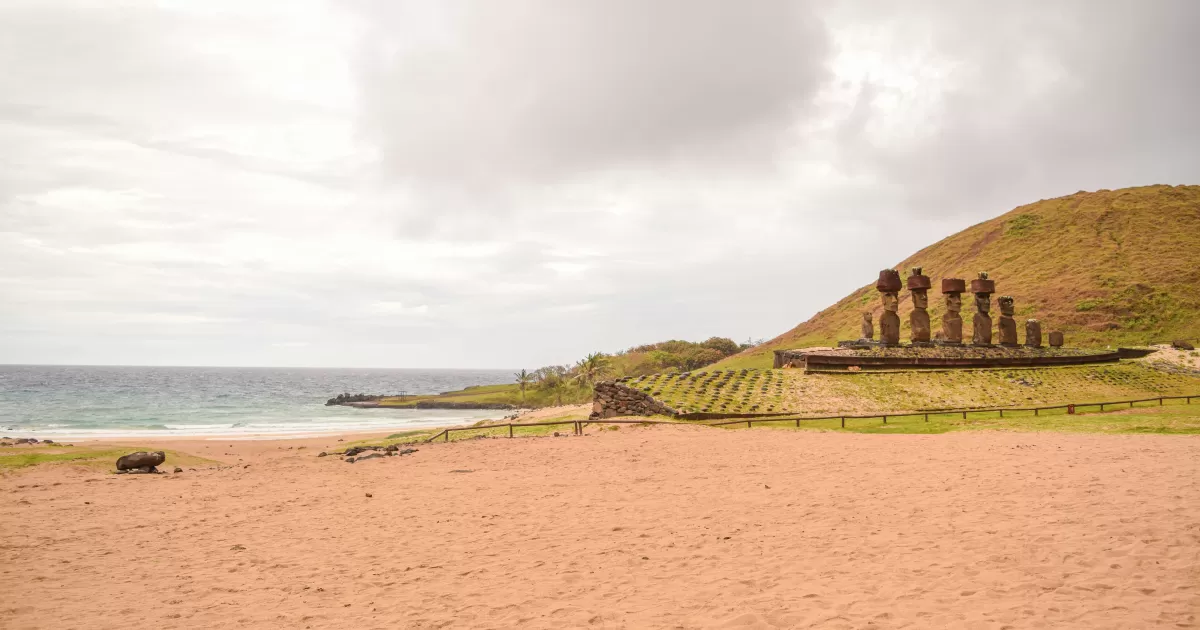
[[141, 460], [1180, 344]]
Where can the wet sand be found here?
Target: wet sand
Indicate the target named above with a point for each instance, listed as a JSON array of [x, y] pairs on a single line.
[[644, 527]]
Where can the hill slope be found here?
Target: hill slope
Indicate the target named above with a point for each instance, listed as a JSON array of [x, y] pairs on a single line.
[[1112, 267]]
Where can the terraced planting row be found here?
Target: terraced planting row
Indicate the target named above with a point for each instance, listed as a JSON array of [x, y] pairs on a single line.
[[793, 391], [717, 391]]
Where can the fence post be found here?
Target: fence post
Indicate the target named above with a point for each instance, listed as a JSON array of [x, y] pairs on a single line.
[[1001, 413], [747, 424], [447, 435], [964, 415], [510, 429], [926, 417], [1101, 406], [1159, 402], [843, 422], [797, 423], [1035, 411], [885, 419]]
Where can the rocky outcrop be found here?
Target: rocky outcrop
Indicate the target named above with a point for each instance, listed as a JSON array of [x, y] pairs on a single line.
[[348, 398], [614, 399]]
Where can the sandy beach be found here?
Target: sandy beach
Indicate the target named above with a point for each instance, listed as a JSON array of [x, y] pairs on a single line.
[[642, 527]]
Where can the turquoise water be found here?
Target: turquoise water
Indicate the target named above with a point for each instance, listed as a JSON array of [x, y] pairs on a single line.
[[110, 401]]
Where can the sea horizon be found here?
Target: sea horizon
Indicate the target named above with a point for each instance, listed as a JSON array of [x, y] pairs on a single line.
[[124, 401]]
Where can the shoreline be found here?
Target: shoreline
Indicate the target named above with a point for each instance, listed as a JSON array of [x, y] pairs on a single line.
[[293, 438]]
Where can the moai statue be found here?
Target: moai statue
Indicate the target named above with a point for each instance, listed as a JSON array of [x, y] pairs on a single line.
[[952, 289], [982, 322], [1033, 333], [868, 327], [889, 323], [1056, 339], [919, 319], [1008, 325]]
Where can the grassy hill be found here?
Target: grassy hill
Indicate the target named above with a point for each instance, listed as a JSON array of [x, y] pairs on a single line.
[[1112, 267]]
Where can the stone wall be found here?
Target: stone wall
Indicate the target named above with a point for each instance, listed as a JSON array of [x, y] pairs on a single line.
[[614, 399]]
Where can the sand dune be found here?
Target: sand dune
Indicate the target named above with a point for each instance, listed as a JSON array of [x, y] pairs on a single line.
[[661, 527]]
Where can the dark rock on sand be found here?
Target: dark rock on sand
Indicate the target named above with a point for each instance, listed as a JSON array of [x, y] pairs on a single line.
[[178, 469], [1180, 344], [141, 459]]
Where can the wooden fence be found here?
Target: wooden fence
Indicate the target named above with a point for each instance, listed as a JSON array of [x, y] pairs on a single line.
[[577, 425], [1070, 407]]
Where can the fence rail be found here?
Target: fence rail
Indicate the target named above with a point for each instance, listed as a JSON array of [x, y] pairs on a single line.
[[1070, 407], [577, 425]]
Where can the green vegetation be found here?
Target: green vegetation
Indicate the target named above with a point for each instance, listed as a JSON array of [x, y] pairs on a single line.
[[91, 457], [794, 391], [1175, 417], [561, 384], [1109, 268]]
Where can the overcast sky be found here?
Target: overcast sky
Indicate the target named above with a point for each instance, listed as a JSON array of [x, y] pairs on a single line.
[[515, 183]]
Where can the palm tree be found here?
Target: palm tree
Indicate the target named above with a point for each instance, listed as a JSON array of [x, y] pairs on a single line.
[[592, 368], [524, 378]]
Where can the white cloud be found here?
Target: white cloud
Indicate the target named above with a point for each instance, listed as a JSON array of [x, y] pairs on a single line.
[[480, 184]]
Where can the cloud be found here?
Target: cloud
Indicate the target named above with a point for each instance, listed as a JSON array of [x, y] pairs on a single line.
[[1032, 100], [360, 182], [479, 95]]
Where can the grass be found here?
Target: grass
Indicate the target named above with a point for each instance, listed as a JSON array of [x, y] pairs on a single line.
[[1109, 268], [92, 457], [1175, 418], [794, 391], [503, 394]]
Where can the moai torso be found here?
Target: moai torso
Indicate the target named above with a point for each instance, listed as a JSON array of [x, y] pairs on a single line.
[[868, 327], [919, 319], [889, 323], [1033, 333], [1056, 339], [1008, 325], [982, 322], [952, 324]]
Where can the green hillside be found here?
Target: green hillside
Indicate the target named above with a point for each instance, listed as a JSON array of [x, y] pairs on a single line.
[[1109, 268]]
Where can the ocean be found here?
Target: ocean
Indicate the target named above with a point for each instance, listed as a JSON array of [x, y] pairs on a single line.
[[61, 401]]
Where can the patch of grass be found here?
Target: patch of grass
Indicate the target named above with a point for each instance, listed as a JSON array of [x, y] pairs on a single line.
[[1175, 418], [91, 457]]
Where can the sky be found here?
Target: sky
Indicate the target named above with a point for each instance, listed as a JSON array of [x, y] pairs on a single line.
[[470, 183]]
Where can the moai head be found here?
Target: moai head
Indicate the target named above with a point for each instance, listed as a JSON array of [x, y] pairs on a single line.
[[954, 302], [889, 281], [982, 284], [891, 302], [867, 317], [920, 299], [983, 302], [1006, 305], [918, 281]]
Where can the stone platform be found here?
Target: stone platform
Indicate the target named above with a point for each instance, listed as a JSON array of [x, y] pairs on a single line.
[[855, 359]]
